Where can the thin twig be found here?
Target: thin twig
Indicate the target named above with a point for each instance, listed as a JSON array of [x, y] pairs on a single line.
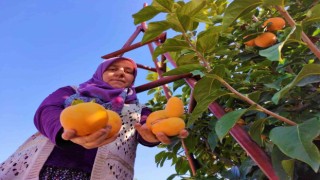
[[248, 100], [305, 38], [190, 161]]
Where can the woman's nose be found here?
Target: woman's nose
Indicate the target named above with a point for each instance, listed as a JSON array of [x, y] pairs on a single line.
[[120, 71]]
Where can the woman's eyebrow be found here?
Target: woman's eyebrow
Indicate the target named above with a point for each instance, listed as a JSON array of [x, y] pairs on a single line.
[[117, 66], [112, 66]]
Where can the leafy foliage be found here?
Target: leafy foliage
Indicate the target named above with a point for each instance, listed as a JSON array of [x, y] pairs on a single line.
[[284, 79]]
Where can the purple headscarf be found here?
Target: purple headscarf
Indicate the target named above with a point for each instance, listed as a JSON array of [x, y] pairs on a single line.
[[97, 88]]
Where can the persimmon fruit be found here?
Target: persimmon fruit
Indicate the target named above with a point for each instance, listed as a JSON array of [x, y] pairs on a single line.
[[85, 118], [265, 39], [114, 120], [274, 24], [156, 116], [250, 43], [174, 107], [170, 126], [169, 120]]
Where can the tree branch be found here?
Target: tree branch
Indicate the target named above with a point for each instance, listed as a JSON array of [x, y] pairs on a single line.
[[248, 100], [305, 38]]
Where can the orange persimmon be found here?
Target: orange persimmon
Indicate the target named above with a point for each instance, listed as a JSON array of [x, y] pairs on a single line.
[[85, 118], [266, 39], [274, 24]]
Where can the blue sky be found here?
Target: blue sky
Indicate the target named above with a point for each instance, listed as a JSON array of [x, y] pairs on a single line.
[[48, 44]]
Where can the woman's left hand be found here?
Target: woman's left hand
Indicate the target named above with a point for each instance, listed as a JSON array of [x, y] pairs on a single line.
[[147, 135]]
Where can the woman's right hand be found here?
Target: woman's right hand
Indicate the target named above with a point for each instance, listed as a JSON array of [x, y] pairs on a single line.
[[94, 140]]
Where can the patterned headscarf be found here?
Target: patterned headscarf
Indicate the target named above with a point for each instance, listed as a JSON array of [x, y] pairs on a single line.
[[103, 93]]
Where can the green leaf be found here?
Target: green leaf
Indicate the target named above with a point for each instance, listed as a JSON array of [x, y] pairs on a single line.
[[145, 14], [160, 158], [201, 17], [219, 70], [255, 96], [152, 76], [191, 142], [309, 70], [154, 30], [227, 121], [197, 73], [272, 53], [175, 22], [151, 91], [163, 5], [277, 158], [246, 167], [189, 58], [171, 45], [308, 80], [183, 69], [274, 2], [181, 22], [182, 166], [277, 83], [172, 176], [207, 40], [238, 8], [296, 141], [220, 6], [288, 166], [213, 141], [256, 130], [192, 8], [296, 35], [208, 84], [178, 83], [313, 16], [206, 91], [207, 99], [186, 22]]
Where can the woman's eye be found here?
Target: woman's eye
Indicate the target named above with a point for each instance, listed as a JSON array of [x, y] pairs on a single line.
[[112, 69], [128, 71]]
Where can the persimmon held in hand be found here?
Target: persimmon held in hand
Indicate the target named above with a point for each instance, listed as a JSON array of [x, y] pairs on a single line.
[[88, 117], [265, 40], [168, 120], [85, 118], [274, 24], [115, 122], [174, 107], [170, 126], [156, 116]]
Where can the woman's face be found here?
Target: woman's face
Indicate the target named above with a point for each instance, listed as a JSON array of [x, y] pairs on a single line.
[[119, 74]]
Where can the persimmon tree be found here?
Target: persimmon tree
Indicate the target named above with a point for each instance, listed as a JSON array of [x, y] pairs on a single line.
[[272, 92]]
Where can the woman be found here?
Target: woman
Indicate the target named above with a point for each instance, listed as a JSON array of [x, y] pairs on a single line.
[[57, 153]]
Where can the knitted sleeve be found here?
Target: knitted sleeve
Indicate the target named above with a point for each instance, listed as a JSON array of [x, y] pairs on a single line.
[[144, 115], [47, 116]]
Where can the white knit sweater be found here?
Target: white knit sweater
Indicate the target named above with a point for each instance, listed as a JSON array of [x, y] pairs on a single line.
[[113, 161]]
